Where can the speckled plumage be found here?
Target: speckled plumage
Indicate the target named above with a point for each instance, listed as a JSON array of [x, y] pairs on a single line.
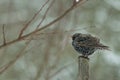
[[86, 44]]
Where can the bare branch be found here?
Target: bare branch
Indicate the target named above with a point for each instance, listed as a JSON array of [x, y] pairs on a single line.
[[66, 31], [3, 29], [26, 26], [45, 14], [44, 27], [5, 67]]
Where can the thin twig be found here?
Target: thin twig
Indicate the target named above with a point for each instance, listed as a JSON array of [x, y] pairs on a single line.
[[42, 28], [5, 67], [4, 39], [26, 26], [55, 32], [45, 14], [20, 54]]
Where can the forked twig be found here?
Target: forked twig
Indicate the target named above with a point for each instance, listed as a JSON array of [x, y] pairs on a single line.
[[5, 67], [26, 26], [45, 14], [44, 27]]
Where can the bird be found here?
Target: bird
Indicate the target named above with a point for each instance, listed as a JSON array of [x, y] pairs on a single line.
[[87, 44]]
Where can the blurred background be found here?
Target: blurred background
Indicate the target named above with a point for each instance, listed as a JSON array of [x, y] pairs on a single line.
[[49, 55]]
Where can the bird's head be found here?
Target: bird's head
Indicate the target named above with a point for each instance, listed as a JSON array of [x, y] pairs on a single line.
[[76, 35]]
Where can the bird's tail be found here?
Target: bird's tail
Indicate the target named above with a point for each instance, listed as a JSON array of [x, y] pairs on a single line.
[[103, 47]]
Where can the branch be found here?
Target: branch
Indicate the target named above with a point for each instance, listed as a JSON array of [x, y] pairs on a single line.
[[83, 66], [26, 26], [3, 29], [5, 67], [44, 27], [45, 14]]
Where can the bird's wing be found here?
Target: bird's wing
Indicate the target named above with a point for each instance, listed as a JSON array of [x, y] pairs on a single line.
[[91, 41]]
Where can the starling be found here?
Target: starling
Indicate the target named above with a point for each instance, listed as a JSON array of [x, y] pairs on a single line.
[[86, 44]]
